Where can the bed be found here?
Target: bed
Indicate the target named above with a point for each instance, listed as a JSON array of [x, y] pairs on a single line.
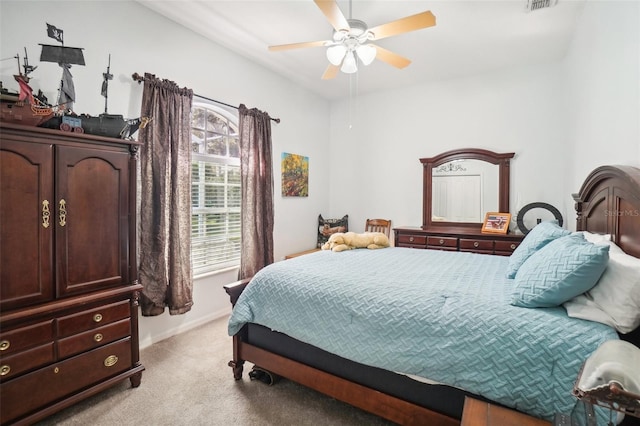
[[449, 325]]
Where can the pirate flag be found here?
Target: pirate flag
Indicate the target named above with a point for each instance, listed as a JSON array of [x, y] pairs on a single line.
[[55, 33]]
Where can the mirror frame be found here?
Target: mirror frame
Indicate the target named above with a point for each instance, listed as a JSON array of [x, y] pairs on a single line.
[[502, 160]]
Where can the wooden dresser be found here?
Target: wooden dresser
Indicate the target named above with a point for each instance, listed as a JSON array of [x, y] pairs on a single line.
[[68, 277], [457, 239]]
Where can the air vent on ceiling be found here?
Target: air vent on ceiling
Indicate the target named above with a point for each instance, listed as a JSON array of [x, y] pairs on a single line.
[[539, 4]]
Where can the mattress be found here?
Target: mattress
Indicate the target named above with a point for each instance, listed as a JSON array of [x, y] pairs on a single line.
[[442, 316]]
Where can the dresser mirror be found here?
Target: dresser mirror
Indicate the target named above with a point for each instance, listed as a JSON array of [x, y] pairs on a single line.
[[460, 186]]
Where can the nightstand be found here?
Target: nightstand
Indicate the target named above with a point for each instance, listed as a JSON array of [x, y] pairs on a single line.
[[478, 413], [292, 255]]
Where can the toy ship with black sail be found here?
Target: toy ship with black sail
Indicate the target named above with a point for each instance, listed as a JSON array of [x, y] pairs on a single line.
[[109, 125]]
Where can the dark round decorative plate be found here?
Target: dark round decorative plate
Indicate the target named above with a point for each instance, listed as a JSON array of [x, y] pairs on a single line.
[[520, 219]]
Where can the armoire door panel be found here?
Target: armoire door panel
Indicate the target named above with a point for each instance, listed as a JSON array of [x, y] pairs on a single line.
[[26, 252], [92, 217]]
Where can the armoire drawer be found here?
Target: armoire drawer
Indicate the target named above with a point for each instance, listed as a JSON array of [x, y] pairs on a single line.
[[29, 359], [93, 338], [93, 318], [18, 339], [32, 391]]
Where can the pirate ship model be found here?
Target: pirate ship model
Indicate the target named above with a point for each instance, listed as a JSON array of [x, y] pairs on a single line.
[[23, 107], [110, 125]]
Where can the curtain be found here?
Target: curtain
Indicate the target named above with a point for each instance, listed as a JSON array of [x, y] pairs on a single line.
[[165, 206], [257, 191]]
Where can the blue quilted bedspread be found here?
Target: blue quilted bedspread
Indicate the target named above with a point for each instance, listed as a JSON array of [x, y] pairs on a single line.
[[439, 315]]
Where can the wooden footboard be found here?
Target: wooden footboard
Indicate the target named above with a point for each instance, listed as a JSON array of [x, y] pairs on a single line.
[[365, 398]]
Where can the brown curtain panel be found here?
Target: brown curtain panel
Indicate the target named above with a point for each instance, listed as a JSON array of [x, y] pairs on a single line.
[[257, 191], [165, 207]]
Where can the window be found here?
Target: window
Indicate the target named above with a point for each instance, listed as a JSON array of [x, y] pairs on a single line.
[[215, 189]]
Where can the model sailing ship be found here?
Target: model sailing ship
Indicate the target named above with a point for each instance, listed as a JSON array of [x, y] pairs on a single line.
[[23, 107], [62, 116], [110, 125]]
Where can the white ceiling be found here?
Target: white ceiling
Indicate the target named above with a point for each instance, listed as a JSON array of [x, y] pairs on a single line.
[[470, 37]]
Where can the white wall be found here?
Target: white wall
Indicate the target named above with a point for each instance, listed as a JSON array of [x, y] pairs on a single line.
[[515, 110], [602, 74], [561, 119], [140, 40]]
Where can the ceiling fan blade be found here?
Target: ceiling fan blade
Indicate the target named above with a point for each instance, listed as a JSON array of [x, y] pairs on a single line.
[[330, 72], [404, 25], [298, 45], [333, 13], [391, 58]]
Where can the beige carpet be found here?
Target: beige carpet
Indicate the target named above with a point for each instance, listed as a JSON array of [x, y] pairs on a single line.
[[187, 382]]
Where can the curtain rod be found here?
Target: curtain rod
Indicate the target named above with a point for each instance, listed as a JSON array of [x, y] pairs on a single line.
[[137, 77]]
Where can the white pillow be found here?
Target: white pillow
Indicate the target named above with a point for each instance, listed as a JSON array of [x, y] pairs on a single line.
[[615, 299], [596, 238]]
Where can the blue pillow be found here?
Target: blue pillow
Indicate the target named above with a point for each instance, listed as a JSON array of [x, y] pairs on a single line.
[[561, 270], [541, 235]]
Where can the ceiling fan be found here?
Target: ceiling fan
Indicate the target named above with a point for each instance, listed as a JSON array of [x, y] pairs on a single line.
[[352, 38]]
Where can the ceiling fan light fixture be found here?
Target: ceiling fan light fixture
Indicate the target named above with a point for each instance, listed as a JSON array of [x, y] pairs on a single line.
[[366, 53], [336, 53], [349, 65]]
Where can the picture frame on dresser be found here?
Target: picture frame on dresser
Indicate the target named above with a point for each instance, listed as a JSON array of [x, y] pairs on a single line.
[[495, 222]]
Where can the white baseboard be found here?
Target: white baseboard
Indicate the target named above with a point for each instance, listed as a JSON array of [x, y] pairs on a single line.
[[151, 338]]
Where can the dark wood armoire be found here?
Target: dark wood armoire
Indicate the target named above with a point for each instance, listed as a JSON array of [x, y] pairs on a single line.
[[68, 278]]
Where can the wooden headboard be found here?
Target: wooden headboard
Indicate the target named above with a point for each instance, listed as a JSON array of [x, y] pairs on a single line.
[[609, 203]]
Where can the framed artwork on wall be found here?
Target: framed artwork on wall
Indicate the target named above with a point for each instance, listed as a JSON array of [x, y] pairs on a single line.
[[496, 222], [295, 175]]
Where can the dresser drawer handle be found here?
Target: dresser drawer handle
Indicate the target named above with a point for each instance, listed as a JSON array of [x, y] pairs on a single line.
[[513, 246], [441, 242], [410, 239], [98, 337], [110, 361], [4, 345], [97, 318], [4, 370], [476, 244]]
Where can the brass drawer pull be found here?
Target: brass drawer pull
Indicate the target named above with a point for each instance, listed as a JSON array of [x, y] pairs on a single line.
[[110, 361], [441, 242], [410, 239], [513, 246], [4, 370], [46, 214], [62, 207], [98, 337], [4, 345], [97, 317], [476, 244]]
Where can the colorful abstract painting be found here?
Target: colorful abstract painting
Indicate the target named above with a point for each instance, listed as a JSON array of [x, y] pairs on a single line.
[[295, 175]]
